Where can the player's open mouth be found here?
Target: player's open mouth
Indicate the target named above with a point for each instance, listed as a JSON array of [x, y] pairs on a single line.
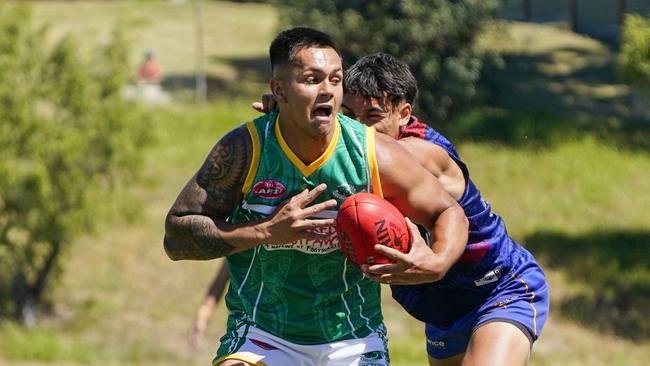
[[324, 111]]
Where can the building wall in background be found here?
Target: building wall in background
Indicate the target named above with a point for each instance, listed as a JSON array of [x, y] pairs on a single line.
[[600, 19], [638, 6]]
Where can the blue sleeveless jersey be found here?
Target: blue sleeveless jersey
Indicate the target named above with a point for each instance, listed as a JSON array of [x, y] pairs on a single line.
[[490, 254]]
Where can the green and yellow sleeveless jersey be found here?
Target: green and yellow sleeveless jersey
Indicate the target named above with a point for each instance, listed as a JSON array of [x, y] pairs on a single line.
[[306, 291]]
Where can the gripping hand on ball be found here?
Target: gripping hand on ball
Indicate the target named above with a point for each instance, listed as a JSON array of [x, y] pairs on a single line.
[[419, 265]]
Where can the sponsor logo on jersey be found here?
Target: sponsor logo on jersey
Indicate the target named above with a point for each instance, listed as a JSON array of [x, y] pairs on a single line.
[[269, 189], [327, 244], [436, 344], [489, 277]]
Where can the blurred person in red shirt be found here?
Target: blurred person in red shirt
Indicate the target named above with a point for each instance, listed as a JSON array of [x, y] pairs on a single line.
[[149, 71]]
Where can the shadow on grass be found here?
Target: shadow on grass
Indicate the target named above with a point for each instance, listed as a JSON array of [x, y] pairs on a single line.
[[546, 98], [544, 129], [568, 81], [612, 270]]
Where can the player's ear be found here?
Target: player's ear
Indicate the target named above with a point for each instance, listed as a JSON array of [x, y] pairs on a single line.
[[277, 89], [405, 110]]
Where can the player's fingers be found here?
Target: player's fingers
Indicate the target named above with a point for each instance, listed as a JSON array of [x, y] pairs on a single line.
[[412, 227], [258, 106], [382, 278], [317, 223], [318, 208], [391, 253], [297, 199], [416, 237], [380, 269], [388, 279], [311, 194], [365, 268]]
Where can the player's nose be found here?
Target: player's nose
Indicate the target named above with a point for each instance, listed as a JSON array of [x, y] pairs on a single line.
[[326, 88]]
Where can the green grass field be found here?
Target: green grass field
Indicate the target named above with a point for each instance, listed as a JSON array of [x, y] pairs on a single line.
[[577, 196]]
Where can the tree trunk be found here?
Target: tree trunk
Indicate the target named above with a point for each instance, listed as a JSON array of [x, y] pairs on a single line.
[[24, 304], [27, 296]]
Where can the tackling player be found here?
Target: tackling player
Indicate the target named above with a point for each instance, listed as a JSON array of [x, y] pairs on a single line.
[[492, 304]]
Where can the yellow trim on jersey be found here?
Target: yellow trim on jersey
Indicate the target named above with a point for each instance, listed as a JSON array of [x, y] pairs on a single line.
[[307, 170], [372, 162], [255, 161], [238, 357]]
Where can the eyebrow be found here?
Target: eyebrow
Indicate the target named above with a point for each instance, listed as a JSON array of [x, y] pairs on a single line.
[[318, 69]]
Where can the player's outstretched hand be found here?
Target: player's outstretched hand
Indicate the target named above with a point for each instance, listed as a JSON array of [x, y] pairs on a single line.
[[419, 265], [268, 102], [197, 329], [291, 220]]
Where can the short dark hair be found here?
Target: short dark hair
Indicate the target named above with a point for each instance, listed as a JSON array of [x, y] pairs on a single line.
[[288, 43], [375, 74]]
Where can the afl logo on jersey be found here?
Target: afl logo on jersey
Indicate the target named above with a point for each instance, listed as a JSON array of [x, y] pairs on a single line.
[[269, 189]]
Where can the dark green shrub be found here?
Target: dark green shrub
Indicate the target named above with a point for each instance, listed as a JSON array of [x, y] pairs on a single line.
[[434, 37]]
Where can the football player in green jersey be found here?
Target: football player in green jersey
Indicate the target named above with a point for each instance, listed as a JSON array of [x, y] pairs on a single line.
[[265, 198]]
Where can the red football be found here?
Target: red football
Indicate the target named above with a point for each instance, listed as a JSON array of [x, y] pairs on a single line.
[[365, 219]]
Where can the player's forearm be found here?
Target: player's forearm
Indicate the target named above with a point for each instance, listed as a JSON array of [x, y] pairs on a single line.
[[219, 284], [205, 310], [200, 237], [450, 233]]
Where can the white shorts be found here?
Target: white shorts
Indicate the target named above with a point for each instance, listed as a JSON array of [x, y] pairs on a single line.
[[258, 347]]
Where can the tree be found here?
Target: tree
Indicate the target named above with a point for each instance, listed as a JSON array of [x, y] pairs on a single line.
[[435, 37], [634, 61], [67, 138]]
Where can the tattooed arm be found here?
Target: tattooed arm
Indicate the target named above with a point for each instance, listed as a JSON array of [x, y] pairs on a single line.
[[196, 227], [192, 227]]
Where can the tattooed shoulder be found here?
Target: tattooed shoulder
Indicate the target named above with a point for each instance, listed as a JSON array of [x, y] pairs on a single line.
[[224, 170]]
